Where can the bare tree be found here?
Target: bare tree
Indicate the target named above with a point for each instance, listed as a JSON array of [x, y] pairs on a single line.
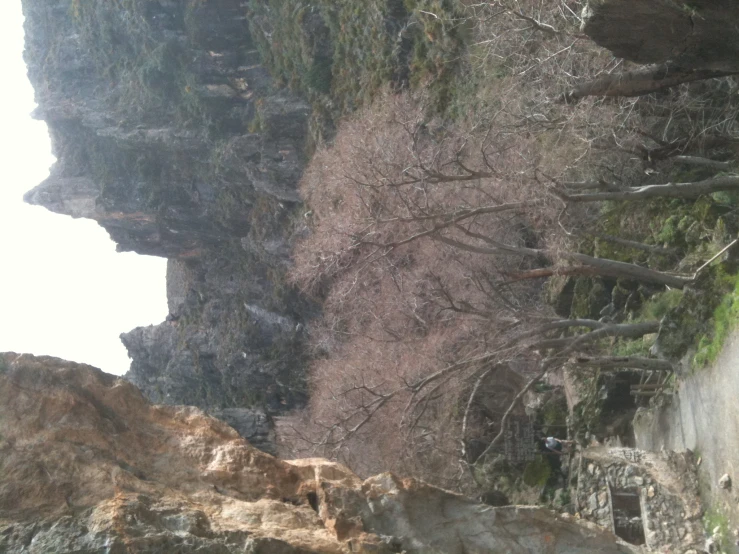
[[426, 240], [641, 81]]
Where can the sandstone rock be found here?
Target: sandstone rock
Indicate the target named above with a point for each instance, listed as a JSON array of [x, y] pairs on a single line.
[[87, 465]]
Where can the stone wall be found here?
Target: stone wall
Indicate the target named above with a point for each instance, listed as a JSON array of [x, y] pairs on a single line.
[[615, 486]]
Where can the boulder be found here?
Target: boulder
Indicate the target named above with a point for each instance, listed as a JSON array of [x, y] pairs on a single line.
[[695, 35], [725, 482]]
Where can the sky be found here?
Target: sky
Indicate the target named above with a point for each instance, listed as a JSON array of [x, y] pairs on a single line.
[[64, 291]]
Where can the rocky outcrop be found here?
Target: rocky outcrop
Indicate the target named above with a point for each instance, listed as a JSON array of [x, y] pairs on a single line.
[[694, 35], [87, 465], [169, 134]]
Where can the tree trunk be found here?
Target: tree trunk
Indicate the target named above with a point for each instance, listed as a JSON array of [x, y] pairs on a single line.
[[625, 362], [600, 266], [589, 185], [644, 80], [704, 162], [550, 271], [668, 190], [613, 268], [625, 330]]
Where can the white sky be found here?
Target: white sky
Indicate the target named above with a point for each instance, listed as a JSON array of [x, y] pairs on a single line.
[[64, 291]]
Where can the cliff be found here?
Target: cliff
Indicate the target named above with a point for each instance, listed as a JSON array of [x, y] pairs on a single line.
[[88, 465], [169, 133]]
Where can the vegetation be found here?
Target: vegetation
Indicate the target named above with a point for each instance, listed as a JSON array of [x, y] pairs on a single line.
[[467, 156], [536, 473], [717, 525], [724, 320], [342, 54], [448, 195]]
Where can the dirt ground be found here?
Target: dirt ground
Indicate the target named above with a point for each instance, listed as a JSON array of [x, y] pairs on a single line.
[[703, 416]]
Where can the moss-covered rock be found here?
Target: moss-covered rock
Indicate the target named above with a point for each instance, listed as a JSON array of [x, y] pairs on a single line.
[[590, 296], [560, 292], [537, 473], [684, 324]]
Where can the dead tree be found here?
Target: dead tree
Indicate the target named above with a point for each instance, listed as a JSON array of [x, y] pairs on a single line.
[[641, 81], [667, 190], [618, 363]]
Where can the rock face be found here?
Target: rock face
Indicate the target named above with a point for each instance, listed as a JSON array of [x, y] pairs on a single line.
[[169, 134], [699, 34], [88, 465]]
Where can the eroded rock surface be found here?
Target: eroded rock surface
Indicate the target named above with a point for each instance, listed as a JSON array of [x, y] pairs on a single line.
[[88, 465], [169, 133]]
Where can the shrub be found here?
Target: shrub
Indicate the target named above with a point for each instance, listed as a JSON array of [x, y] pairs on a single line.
[[537, 473]]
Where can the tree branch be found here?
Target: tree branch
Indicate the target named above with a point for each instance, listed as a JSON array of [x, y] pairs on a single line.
[[624, 362], [641, 81], [668, 190]]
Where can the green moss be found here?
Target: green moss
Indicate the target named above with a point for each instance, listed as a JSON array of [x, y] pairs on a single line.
[[669, 234], [590, 296], [717, 524], [724, 320], [728, 198], [580, 303], [319, 76], [658, 305], [633, 347], [537, 473], [586, 415], [554, 413]]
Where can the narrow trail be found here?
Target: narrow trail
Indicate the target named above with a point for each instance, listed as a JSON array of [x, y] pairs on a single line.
[[703, 416]]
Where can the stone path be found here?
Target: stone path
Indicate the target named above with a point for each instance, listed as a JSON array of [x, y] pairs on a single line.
[[704, 417]]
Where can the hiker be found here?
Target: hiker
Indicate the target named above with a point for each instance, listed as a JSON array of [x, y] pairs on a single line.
[[557, 446]]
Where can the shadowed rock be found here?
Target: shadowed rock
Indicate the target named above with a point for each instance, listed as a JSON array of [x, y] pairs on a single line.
[[695, 35]]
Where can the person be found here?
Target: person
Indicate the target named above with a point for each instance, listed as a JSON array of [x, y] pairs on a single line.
[[556, 445]]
